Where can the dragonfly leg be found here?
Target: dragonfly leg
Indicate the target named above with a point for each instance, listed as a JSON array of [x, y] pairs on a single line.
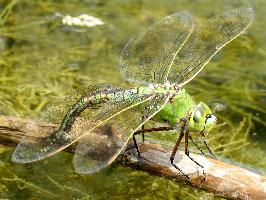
[[205, 143], [187, 150], [135, 143], [143, 137], [142, 127], [157, 129], [189, 136], [172, 157], [143, 130]]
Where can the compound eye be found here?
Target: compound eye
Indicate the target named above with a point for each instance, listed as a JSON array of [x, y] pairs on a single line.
[[210, 119], [198, 114]]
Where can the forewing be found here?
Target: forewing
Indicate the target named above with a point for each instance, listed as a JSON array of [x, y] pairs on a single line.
[[48, 143], [100, 147], [147, 59], [206, 40]]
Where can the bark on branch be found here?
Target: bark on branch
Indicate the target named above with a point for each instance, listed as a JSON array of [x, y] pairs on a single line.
[[221, 178]]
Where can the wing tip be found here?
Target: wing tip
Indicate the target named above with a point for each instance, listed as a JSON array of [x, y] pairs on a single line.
[[19, 157], [246, 12], [26, 153]]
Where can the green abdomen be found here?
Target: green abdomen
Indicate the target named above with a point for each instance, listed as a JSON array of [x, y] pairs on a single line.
[[173, 111]]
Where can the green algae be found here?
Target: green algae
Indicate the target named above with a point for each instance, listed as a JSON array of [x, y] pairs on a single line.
[[41, 61]]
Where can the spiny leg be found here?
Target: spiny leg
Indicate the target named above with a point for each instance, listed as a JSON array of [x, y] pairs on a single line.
[[184, 122], [135, 143], [142, 131], [187, 150], [143, 137], [189, 136], [163, 128], [172, 157], [142, 127], [204, 141]]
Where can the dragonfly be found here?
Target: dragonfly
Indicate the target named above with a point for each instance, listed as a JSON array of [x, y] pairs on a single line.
[[163, 59]]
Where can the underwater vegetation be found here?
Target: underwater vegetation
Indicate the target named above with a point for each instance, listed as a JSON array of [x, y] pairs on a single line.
[[42, 60]]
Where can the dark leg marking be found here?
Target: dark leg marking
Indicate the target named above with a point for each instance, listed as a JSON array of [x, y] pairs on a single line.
[[135, 142], [142, 131], [142, 127], [172, 157], [189, 136], [163, 128], [183, 125], [187, 150], [204, 141], [143, 137]]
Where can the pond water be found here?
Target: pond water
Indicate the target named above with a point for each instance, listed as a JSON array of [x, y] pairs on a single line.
[[42, 60]]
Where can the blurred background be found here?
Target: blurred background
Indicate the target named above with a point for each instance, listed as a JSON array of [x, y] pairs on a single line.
[[42, 59]]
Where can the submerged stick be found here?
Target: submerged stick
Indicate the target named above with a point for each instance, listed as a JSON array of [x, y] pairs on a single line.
[[221, 178]]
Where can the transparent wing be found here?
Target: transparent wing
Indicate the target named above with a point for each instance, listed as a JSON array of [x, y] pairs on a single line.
[[57, 110], [97, 111], [147, 59], [100, 147], [206, 40]]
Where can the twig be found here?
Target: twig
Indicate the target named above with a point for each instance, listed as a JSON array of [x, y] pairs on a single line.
[[221, 178]]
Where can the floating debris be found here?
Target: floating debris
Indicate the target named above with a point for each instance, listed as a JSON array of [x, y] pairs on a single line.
[[82, 20], [218, 106]]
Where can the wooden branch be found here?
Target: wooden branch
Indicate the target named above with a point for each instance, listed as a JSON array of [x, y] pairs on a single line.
[[221, 178]]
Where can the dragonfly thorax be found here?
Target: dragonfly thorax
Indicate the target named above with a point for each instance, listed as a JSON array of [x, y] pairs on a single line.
[[179, 105], [182, 106]]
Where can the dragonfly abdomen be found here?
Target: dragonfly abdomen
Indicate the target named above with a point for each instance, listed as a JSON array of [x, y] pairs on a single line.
[[94, 99]]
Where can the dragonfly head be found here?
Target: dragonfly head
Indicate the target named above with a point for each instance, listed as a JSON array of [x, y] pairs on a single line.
[[202, 118]]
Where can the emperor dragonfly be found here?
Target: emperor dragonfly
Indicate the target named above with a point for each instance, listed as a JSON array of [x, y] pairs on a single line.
[[163, 59]]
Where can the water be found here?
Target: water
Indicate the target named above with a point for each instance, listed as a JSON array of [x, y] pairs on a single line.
[[42, 60]]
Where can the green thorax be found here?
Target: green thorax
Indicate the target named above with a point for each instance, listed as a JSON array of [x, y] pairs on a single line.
[[176, 109]]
